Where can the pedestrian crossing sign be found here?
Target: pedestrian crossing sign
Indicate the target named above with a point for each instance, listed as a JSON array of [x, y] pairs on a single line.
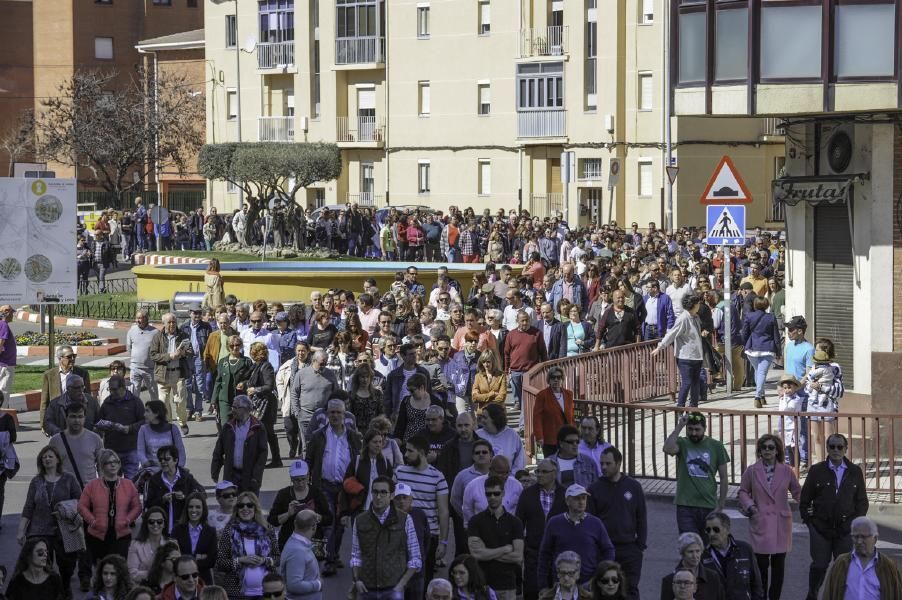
[[725, 225]]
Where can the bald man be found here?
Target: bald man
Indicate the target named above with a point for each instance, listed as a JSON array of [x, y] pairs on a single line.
[[474, 493]]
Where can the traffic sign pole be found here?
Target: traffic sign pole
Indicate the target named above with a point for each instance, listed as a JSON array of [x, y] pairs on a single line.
[[727, 319]]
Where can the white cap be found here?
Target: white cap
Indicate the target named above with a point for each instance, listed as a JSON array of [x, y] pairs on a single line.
[[576, 490], [402, 489], [298, 468]]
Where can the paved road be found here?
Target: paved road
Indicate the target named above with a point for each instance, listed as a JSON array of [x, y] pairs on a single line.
[[660, 557]]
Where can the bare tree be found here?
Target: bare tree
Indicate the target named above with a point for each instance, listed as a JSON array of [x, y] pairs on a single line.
[[118, 133], [18, 139]]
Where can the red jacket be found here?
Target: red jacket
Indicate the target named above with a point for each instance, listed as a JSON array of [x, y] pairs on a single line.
[[94, 507], [547, 416]]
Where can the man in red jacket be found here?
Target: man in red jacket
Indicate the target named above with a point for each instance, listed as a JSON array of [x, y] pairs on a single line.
[[524, 348]]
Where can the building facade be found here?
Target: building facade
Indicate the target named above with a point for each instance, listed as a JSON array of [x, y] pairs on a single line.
[[830, 71], [472, 103]]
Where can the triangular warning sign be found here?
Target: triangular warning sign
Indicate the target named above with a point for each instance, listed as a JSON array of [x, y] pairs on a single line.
[[725, 226], [726, 186]]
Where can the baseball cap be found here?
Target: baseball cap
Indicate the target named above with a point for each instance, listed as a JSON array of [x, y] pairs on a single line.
[[402, 489], [281, 316], [224, 485], [576, 490], [195, 307], [298, 468]]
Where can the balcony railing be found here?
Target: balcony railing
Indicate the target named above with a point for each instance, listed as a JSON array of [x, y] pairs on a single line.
[[273, 55], [771, 126], [359, 50], [544, 41], [541, 123], [275, 129], [359, 129], [546, 205], [365, 199]]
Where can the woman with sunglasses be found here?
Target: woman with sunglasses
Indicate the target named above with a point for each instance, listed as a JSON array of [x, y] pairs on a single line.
[[468, 580], [33, 577], [111, 579], [143, 548], [247, 549], [195, 536], [609, 582], [110, 506], [763, 498], [232, 373], [162, 568]]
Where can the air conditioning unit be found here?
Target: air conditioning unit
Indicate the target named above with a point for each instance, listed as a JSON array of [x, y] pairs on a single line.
[[845, 148]]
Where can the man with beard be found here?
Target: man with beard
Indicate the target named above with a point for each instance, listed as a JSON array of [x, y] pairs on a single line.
[[698, 459], [618, 326], [496, 540]]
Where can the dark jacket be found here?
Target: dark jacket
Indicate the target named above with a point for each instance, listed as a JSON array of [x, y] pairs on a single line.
[[761, 332], [206, 545], [613, 333], [203, 334], [254, 459], [391, 395], [51, 388], [55, 415], [738, 569], [529, 511], [316, 501], [263, 379], [128, 411], [828, 509], [156, 489], [448, 461], [316, 449], [557, 347], [666, 317], [361, 468], [710, 585]]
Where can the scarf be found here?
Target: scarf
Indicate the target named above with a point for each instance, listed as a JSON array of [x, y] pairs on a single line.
[[253, 530]]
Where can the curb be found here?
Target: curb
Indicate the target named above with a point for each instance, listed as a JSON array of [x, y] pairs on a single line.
[[107, 347], [31, 400], [161, 259], [30, 317]]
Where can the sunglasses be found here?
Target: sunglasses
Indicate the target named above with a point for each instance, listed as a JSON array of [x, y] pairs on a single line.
[[567, 573], [571, 441], [836, 446], [188, 576], [768, 447], [228, 495], [246, 505], [273, 594], [712, 529], [493, 494], [155, 521], [610, 580]]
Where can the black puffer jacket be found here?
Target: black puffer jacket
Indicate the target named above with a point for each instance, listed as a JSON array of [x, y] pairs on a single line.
[[830, 510], [738, 569]]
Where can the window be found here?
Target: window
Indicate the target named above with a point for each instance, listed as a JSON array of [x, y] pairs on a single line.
[[485, 177], [423, 177], [231, 187], [484, 95], [423, 22], [485, 17], [692, 47], [591, 67], [645, 178], [865, 40], [731, 44], [645, 91], [103, 48], [231, 104], [358, 18], [540, 86], [276, 21], [423, 98], [790, 42], [231, 32], [590, 169], [648, 12]]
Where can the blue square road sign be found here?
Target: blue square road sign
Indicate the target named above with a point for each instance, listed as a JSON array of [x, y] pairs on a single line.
[[725, 225]]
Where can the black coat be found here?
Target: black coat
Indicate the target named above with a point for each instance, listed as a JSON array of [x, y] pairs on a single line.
[[156, 489], [529, 511], [254, 460], [448, 461], [316, 501], [316, 449], [710, 585], [558, 346], [263, 380], [828, 509], [206, 546]]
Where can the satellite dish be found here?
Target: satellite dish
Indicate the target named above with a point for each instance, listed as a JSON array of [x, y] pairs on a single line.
[[250, 45]]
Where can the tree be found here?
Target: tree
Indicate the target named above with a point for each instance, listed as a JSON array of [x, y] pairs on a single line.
[[266, 170], [18, 139], [119, 129]]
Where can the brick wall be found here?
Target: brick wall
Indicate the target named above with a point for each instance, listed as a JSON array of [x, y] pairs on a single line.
[[897, 239]]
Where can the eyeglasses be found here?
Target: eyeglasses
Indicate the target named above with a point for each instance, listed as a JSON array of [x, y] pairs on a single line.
[[155, 521], [234, 345], [567, 573], [246, 505], [67, 355], [188, 576], [836, 446], [299, 479], [609, 580], [768, 447], [493, 494], [712, 529], [544, 471]]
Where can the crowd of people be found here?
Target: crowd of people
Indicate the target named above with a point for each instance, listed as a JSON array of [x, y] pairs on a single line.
[[395, 407]]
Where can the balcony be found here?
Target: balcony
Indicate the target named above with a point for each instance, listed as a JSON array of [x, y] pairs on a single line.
[[359, 132], [543, 41], [275, 55], [360, 51], [364, 199], [772, 130], [275, 129], [542, 123]]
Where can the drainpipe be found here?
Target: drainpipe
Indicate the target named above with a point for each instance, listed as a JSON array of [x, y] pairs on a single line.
[[668, 139]]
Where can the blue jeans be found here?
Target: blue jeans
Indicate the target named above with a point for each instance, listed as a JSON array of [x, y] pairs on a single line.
[[803, 429], [516, 379], [383, 595], [129, 463], [761, 365], [197, 385], [690, 381], [453, 255], [692, 519], [335, 532]]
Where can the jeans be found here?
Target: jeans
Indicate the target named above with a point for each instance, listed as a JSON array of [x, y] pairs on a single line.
[[690, 381], [630, 558], [692, 519], [129, 460], [761, 365], [516, 379], [197, 381], [453, 255], [823, 550], [776, 565], [383, 595], [335, 532], [803, 429]]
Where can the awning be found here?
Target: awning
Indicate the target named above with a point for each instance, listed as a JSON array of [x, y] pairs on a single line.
[[815, 189]]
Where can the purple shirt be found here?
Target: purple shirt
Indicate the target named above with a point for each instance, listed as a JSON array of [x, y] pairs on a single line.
[[8, 356]]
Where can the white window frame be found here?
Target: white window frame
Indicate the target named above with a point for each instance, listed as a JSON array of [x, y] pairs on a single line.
[[483, 109], [590, 169], [424, 176], [231, 32], [643, 165], [484, 9], [100, 45], [645, 100], [423, 18], [424, 99], [484, 177], [646, 12], [232, 102]]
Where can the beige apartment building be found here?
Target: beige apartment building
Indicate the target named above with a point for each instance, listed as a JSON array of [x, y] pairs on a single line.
[[471, 103]]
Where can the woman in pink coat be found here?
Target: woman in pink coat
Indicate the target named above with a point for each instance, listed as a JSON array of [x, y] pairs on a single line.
[[762, 496]]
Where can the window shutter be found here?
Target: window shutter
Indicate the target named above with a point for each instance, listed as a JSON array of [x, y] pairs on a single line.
[[485, 168], [645, 182], [366, 99], [425, 101], [645, 91]]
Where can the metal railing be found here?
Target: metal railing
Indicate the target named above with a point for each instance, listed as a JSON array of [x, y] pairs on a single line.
[[365, 199], [541, 123], [359, 129], [544, 41], [275, 129], [124, 285], [272, 55], [771, 126], [186, 200], [359, 50], [110, 311], [544, 205]]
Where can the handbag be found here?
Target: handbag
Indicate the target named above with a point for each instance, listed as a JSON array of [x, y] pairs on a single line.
[[261, 403]]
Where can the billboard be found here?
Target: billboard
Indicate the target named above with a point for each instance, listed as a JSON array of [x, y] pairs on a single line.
[[37, 241]]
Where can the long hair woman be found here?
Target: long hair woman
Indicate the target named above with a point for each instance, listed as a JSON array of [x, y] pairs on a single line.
[[111, 579], [247, 549], [468, 580], [33, 578], [215, 291]]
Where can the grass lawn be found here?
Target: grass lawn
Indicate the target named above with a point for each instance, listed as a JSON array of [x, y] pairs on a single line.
[[29, 377], [239, 257]]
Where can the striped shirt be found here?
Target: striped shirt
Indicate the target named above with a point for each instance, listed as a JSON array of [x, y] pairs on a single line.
[[426, 486]]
